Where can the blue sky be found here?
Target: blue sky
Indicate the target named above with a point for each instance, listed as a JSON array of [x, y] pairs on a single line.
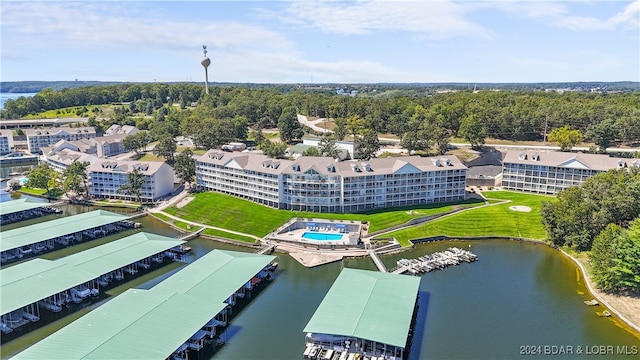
[[322, 41]]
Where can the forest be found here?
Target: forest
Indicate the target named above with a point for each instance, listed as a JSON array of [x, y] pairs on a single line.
[[510, 115]]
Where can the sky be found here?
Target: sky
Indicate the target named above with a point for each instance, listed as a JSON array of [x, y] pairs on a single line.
[[365, 41]]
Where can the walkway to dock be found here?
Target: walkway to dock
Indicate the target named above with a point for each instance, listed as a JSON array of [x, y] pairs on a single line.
[[266, 249], [377, 261]]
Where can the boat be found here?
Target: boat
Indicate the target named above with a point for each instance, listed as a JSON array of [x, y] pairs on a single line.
[[592, 302]]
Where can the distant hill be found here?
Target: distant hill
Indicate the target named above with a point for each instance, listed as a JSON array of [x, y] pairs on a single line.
[[585, 86]]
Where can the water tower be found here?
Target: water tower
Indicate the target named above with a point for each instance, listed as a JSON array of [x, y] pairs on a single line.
[[205, 62]]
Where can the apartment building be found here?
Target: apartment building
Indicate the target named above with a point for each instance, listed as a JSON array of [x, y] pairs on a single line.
[[320, 184], [106, 177], [125, 130], [6, 142], [38, 138], [552, 171]]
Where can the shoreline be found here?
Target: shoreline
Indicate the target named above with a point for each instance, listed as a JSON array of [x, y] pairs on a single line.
[[606, 299]]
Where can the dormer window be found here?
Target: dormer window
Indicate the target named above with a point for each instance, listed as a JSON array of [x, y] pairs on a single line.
[[331, 168], [522, 156], [367, 167], [621, 164], [535, 157], [436, 162], [636, 164], [355, 168], [275, 165], [295, 167]]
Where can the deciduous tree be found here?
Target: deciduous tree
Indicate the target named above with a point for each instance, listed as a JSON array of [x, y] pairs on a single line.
[[565, 137]]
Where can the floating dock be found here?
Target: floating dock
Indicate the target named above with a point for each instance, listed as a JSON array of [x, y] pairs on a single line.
[[24, 209], [365, 314], [179, 316], [435, 261], [29, 241], [54, 284]]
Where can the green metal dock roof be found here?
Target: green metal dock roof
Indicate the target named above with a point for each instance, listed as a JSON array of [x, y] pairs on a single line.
[[14, 206], [137, 324], [217, 275], [32, 234], [36, 279], [368, 305], [152, 324]]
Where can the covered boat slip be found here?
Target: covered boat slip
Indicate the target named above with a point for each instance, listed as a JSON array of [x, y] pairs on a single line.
[[56, 282], [38, 238], [167, 320], [14, 210], [137, 324], [14, 206], [365, 312], [217, 276]]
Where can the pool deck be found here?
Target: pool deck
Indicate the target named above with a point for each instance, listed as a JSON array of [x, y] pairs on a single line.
[[310, 256]]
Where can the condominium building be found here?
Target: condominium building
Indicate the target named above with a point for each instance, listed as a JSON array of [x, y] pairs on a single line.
[[6, 142], [550, 172], [320, 184], [60, 160], [106, 177], [38, 138], [125, 130], [110, 145]]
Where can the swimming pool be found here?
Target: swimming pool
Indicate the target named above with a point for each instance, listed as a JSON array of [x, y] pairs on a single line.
[[321, 236]]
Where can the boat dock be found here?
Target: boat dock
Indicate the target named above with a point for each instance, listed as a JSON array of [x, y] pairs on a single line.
[[24, 209], [435, 261], [56, 284], [167, 320], [44, 237]]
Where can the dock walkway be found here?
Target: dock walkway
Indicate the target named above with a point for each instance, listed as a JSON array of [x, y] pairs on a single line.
[[377, 261]]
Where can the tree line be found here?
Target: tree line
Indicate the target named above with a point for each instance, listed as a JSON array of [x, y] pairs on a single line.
[[602, 217], [511, 115]]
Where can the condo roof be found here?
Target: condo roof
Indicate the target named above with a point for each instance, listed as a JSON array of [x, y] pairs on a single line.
[[137, 324], [217, 275], [368, 305], [125, 166], [13, 206], [328, 166], [32, 234], [37, 279], [566, 159]]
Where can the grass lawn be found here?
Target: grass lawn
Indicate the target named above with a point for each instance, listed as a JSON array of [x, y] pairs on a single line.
[[210, 232], [232, 213], [496, 220], [52, 194]]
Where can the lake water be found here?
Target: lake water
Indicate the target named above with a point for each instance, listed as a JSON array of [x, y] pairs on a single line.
[[518, 294], [12, 96]]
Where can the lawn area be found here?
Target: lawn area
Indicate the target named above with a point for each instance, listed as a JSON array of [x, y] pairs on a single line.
[[496, 220], [210, 232], [232, 213], [52, 194]]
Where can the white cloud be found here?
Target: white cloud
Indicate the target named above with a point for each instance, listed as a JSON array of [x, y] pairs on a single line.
[[559, 15], [107, 25], [435, 19]]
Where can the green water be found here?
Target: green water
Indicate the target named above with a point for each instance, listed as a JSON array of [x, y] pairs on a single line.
[[517, 294]]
